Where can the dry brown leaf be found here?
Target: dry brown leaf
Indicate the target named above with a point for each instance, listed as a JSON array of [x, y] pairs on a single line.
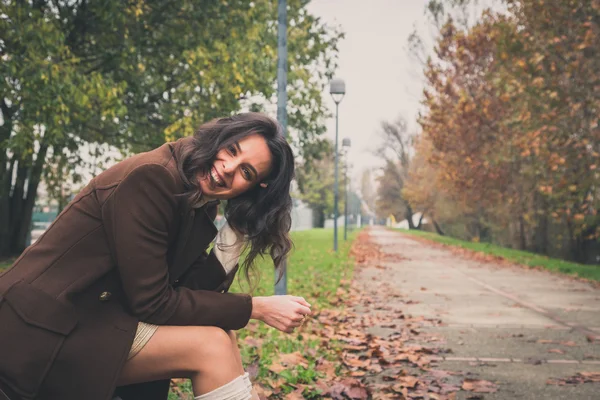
[[398, 388], [276, 367], [591, 376], [569, 343], [479, 386], [292, 359], [328, 368], [349, 388], [408, 381], [263, 393]]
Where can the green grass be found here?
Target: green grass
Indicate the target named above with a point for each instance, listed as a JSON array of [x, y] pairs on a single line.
[[517, 256], [316, 273], [4, 264]]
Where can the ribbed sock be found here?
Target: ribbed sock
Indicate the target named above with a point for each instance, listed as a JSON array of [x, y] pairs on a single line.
[[238, 389]]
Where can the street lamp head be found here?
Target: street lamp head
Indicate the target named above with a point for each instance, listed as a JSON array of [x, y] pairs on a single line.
[[337, 89], [346, 142]]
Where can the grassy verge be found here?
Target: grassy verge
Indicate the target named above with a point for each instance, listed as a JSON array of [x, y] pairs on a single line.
[[6, 263], [316, 273], [517, 256]]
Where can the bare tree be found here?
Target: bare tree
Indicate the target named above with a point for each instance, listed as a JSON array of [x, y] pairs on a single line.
[[396, 151]]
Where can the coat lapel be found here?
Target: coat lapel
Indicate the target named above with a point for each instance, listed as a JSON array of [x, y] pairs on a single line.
[[196, 233]]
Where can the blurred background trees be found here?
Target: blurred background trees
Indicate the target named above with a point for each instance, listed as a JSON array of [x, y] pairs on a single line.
[[80, 78], [510, 144]]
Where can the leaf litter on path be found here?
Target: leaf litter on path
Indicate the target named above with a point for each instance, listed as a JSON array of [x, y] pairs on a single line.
[[578, 378], [390, 367], [368, 366]]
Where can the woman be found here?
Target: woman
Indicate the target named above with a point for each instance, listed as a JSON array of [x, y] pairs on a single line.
[[119, 293]]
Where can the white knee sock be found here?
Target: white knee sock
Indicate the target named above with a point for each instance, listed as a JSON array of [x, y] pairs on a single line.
[[238, 389]]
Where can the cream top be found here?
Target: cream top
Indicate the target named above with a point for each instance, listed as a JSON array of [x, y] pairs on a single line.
[[228, 246]]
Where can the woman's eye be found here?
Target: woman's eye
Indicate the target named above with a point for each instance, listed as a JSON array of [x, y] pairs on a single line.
[[246, 173], [232, 150]]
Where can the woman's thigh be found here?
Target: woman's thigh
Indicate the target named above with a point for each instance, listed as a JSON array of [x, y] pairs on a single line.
[[183, 352]]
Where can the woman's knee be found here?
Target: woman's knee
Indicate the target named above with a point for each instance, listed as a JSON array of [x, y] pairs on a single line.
[[208, 343]]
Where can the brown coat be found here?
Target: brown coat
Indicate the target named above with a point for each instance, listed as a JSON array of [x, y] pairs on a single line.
[[126, 249]]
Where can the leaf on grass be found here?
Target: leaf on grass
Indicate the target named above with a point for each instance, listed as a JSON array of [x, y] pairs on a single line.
[[479, 386], [356, 362], [252, 370], [557, 351], [276, 367], [263, 393], [253, 342], [293, 359], [328, 368], [349, 388]]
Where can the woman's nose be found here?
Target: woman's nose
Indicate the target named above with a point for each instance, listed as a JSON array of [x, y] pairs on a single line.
[[228, 167]]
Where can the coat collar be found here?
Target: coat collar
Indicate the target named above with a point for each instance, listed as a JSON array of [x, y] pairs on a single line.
[[196, 228]]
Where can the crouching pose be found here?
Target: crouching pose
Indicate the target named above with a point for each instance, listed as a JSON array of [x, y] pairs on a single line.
[[120, 294]]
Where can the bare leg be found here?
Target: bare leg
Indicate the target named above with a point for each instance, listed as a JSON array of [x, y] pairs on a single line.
[[204, 354], [236, 350]]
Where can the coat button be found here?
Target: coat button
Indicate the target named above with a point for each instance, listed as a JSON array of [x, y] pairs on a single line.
[[104, 296]]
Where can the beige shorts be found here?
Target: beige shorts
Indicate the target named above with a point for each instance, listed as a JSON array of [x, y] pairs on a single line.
[[142, 335]]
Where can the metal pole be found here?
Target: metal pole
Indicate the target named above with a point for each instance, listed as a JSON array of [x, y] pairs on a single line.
[[282, 67], [335, 189], [346, 200]]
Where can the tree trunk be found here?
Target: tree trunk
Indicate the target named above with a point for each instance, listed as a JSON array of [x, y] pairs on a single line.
[[421, 220], [318, 217], [540, 234], [35, 176], [17, 199], [408, 214], [17, 202], [5, 181], [522, 239], [438, 229], [572, 240]]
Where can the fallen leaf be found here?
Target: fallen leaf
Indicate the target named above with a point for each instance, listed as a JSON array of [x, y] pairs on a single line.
[[276, 367], [408, 381], [292, 359], [349, 388], [569, 343], [479, 386]]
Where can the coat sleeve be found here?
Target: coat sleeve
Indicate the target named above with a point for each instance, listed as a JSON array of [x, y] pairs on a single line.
[[137, 217]]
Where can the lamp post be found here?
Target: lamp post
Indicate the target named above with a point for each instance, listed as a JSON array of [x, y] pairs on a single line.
[[282, 68], [337, 89], [346, 143]]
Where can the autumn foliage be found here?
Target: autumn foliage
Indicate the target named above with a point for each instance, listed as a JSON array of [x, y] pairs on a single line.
[[511, 134]]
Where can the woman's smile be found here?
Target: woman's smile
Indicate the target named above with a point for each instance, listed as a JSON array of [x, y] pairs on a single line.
[[237, 168], [217, 180]]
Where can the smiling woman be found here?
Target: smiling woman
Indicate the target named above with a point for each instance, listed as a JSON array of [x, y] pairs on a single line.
[[120, 293], [236, 168]]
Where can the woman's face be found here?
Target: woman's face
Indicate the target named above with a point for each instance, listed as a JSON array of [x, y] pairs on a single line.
[[237, 168]]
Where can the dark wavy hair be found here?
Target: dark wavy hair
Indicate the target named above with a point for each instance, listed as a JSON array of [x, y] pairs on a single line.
[[262, 214]]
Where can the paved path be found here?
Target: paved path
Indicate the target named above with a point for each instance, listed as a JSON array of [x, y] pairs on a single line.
[[507, 324]]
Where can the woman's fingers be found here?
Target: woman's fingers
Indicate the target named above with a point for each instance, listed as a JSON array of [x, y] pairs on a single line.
[[303, 310], [302, 301]]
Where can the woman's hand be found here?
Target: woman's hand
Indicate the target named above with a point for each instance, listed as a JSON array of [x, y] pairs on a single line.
[[281, 312]]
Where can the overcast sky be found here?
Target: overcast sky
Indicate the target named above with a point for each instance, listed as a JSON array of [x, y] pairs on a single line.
[[382, 82]]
